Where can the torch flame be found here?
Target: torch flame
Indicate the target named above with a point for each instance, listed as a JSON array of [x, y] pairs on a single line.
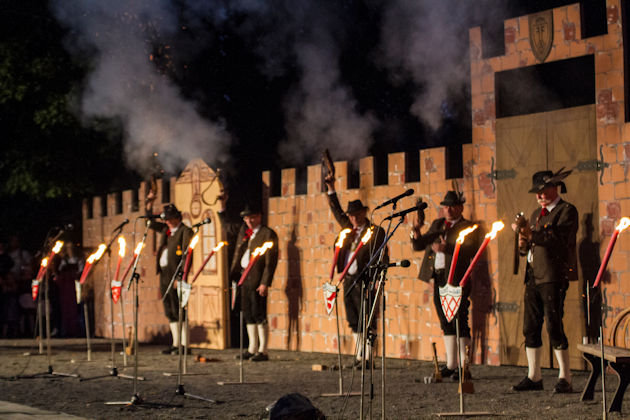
[[122, 246], [342, 237], [219, 246], [496, 228], [98, 254], [367, 236], [624, 223], [262, 249], [193, 242], [136, 251], [45, 262], [57, 247], [463, 233]]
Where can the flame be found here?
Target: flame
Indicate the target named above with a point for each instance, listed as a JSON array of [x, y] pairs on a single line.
[[496, 228], [219, 246], [57, 247], [367, 236], [463, 233], [262, 249], [98, 254], [624, 223], [139, 247], [45, 262], [122, 246], [193, 242], [342, 237]]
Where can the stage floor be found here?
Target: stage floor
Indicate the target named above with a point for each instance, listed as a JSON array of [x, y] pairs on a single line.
[[407, 397]]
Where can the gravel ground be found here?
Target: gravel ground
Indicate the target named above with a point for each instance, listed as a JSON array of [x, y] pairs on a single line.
[[407, 397]]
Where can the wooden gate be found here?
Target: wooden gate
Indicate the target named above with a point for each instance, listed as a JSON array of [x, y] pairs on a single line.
[[526, 144]]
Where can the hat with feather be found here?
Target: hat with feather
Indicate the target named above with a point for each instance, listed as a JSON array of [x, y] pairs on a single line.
[[544, 179]]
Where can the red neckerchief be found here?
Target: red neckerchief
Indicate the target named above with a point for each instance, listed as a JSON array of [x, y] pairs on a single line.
[[248, 234], [168, 232], [543, 212]]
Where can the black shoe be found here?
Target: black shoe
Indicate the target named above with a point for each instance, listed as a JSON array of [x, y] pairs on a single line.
[[528, 385], [562, 387], [259, 357], [446, 372], [188, 351], [246, 355], [169, 350]]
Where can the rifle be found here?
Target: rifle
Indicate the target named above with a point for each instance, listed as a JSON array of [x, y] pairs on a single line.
[[328, 167], [521, 222]]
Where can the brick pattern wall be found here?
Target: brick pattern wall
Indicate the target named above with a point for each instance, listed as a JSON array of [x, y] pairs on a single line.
[[153, 325], [613, 134], [307, 231]]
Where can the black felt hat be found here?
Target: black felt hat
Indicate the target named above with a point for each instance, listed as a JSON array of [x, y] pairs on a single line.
[[170, 212], [544, 179], [355, 206], [453, 198], [250, 209]]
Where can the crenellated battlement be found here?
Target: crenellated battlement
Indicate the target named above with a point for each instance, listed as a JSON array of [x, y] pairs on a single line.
[[517, 129]]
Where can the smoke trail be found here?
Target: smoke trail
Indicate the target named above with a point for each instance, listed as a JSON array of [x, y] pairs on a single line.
[[427, 41], [320, 111], [124, 84]]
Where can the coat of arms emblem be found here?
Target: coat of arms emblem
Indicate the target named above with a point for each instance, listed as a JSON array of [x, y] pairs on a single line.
[[450, 298], [541, 34]]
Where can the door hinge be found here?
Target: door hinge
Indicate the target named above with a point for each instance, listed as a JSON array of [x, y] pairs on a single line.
[[594, 165], [500, 174]]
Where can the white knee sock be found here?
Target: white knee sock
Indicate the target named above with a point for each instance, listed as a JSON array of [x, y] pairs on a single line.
[[562, 356], [252, 334], [184, 339], [263, 335], [173, 326], [533, 363], [450, 344]]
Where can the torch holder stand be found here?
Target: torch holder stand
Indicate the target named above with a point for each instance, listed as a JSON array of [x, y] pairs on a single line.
[[50, 372], [135, 399], [241, 374]]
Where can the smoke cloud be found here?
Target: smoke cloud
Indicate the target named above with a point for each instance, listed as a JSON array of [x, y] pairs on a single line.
[[427, 41], [126, 85]]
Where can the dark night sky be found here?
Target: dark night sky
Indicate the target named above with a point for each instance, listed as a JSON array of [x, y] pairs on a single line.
[[249, 86]]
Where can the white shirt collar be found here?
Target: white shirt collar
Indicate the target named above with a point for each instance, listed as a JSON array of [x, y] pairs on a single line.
[[553, 204]]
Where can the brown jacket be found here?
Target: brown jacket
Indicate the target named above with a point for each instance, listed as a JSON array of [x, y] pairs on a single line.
[[176, 245], [466, 252], [364, 255], [553, 244], [262, 272]]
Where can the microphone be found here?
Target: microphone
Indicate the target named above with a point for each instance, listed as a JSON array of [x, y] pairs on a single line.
[[152, 217], [203, 222], [420, 206], [395, 199], [402, 263], [120, 226]]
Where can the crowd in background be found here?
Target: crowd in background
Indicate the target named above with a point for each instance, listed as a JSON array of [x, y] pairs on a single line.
[[18, 310]]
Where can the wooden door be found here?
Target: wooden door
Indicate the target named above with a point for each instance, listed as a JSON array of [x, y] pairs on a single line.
[[526, 144]]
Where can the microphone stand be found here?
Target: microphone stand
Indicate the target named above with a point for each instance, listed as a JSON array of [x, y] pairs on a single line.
[[135, 278], [380, 292], [378, 253], [178, 275]]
